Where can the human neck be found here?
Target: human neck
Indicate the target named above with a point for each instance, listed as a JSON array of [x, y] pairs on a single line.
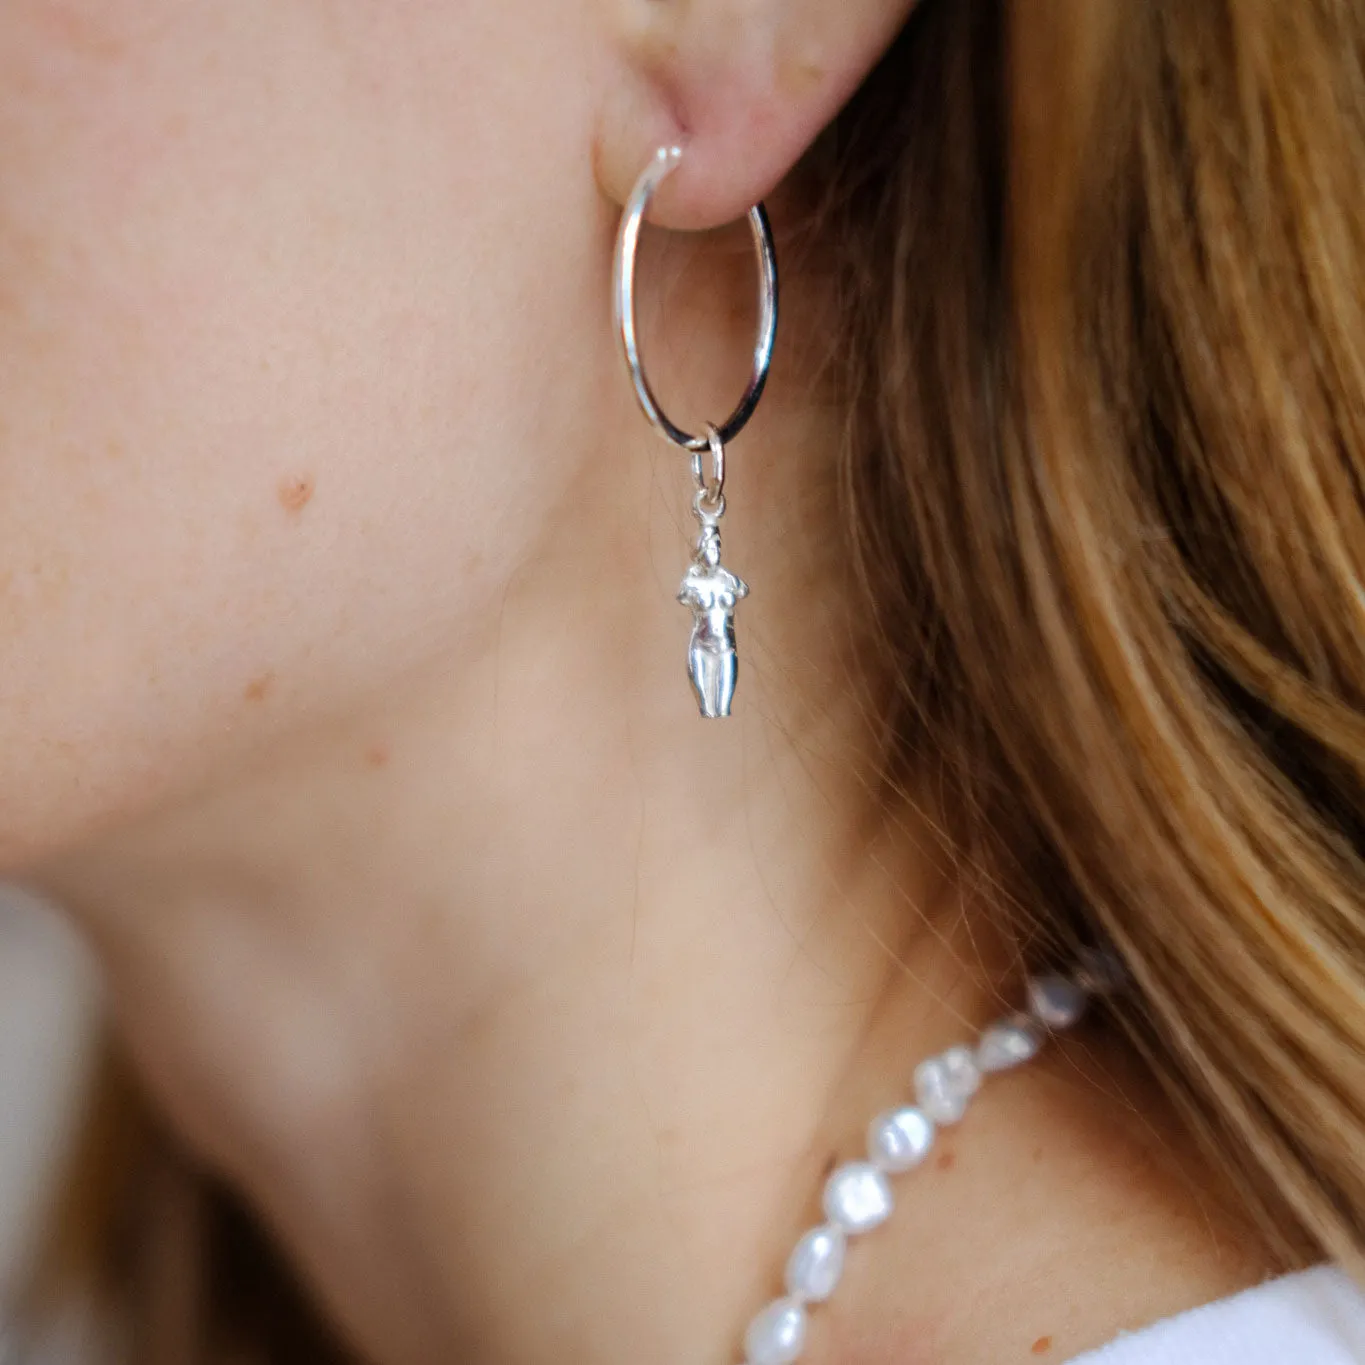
[[533, 1063], [529, 1007], [564, 1003]]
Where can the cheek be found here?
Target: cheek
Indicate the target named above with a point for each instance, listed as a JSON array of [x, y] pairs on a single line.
[[263, 357]]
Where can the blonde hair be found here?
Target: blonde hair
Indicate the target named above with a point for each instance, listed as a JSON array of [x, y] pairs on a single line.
[[1101, 270]]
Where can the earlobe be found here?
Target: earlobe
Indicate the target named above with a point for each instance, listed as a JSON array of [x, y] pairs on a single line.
[[745, 86]]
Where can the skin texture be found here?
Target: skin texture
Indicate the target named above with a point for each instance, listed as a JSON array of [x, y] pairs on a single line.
[[344, 697]]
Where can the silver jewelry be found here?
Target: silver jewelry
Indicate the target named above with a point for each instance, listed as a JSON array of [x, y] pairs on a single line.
[[708, 588], [858, 1196]]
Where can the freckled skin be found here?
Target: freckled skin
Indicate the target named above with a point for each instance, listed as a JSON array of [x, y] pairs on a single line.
[[296, 494], [247, 251]]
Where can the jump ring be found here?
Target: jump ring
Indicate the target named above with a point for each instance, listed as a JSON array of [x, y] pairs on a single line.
[[711, 490], [627, 248]]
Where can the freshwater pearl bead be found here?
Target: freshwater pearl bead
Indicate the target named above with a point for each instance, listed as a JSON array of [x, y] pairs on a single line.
[[940, 1089], [1056, 1001], [858, 1198], [816, 1264], [777, 1336], [1008, 1044], [899, 1139], [959, 1066]]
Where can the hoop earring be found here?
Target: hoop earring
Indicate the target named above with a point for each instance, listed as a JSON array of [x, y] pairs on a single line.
[[708, 588]]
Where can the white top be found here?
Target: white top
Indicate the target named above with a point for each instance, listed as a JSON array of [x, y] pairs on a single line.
[[1315, 1317]]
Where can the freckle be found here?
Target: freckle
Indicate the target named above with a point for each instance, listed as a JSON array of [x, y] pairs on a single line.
[[946, 1161], [799, 73], [1037, 1155], [1042, 1346], [296, 494], [377, 756], [259, 688]]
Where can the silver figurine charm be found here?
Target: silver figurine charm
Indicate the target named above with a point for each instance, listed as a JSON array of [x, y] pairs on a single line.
[[709, 588], [712, 592]]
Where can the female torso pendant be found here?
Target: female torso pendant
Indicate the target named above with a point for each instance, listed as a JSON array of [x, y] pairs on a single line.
[[712, 592]]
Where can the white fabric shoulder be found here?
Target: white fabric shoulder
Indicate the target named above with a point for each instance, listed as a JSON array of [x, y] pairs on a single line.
[[1313, 1317]]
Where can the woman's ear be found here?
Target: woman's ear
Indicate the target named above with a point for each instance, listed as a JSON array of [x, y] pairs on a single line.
[[743, 86]]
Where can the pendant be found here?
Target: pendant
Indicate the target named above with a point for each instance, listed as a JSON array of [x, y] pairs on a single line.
[[712, 592]]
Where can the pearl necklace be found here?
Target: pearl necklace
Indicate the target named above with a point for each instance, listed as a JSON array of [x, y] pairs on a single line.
[[858, 1196]]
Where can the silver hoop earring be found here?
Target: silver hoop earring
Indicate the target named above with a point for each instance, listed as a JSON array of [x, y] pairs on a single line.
[[708, 588]]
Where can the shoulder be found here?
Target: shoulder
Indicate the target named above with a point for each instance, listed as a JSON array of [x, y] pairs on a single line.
[[1312, 1317]]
